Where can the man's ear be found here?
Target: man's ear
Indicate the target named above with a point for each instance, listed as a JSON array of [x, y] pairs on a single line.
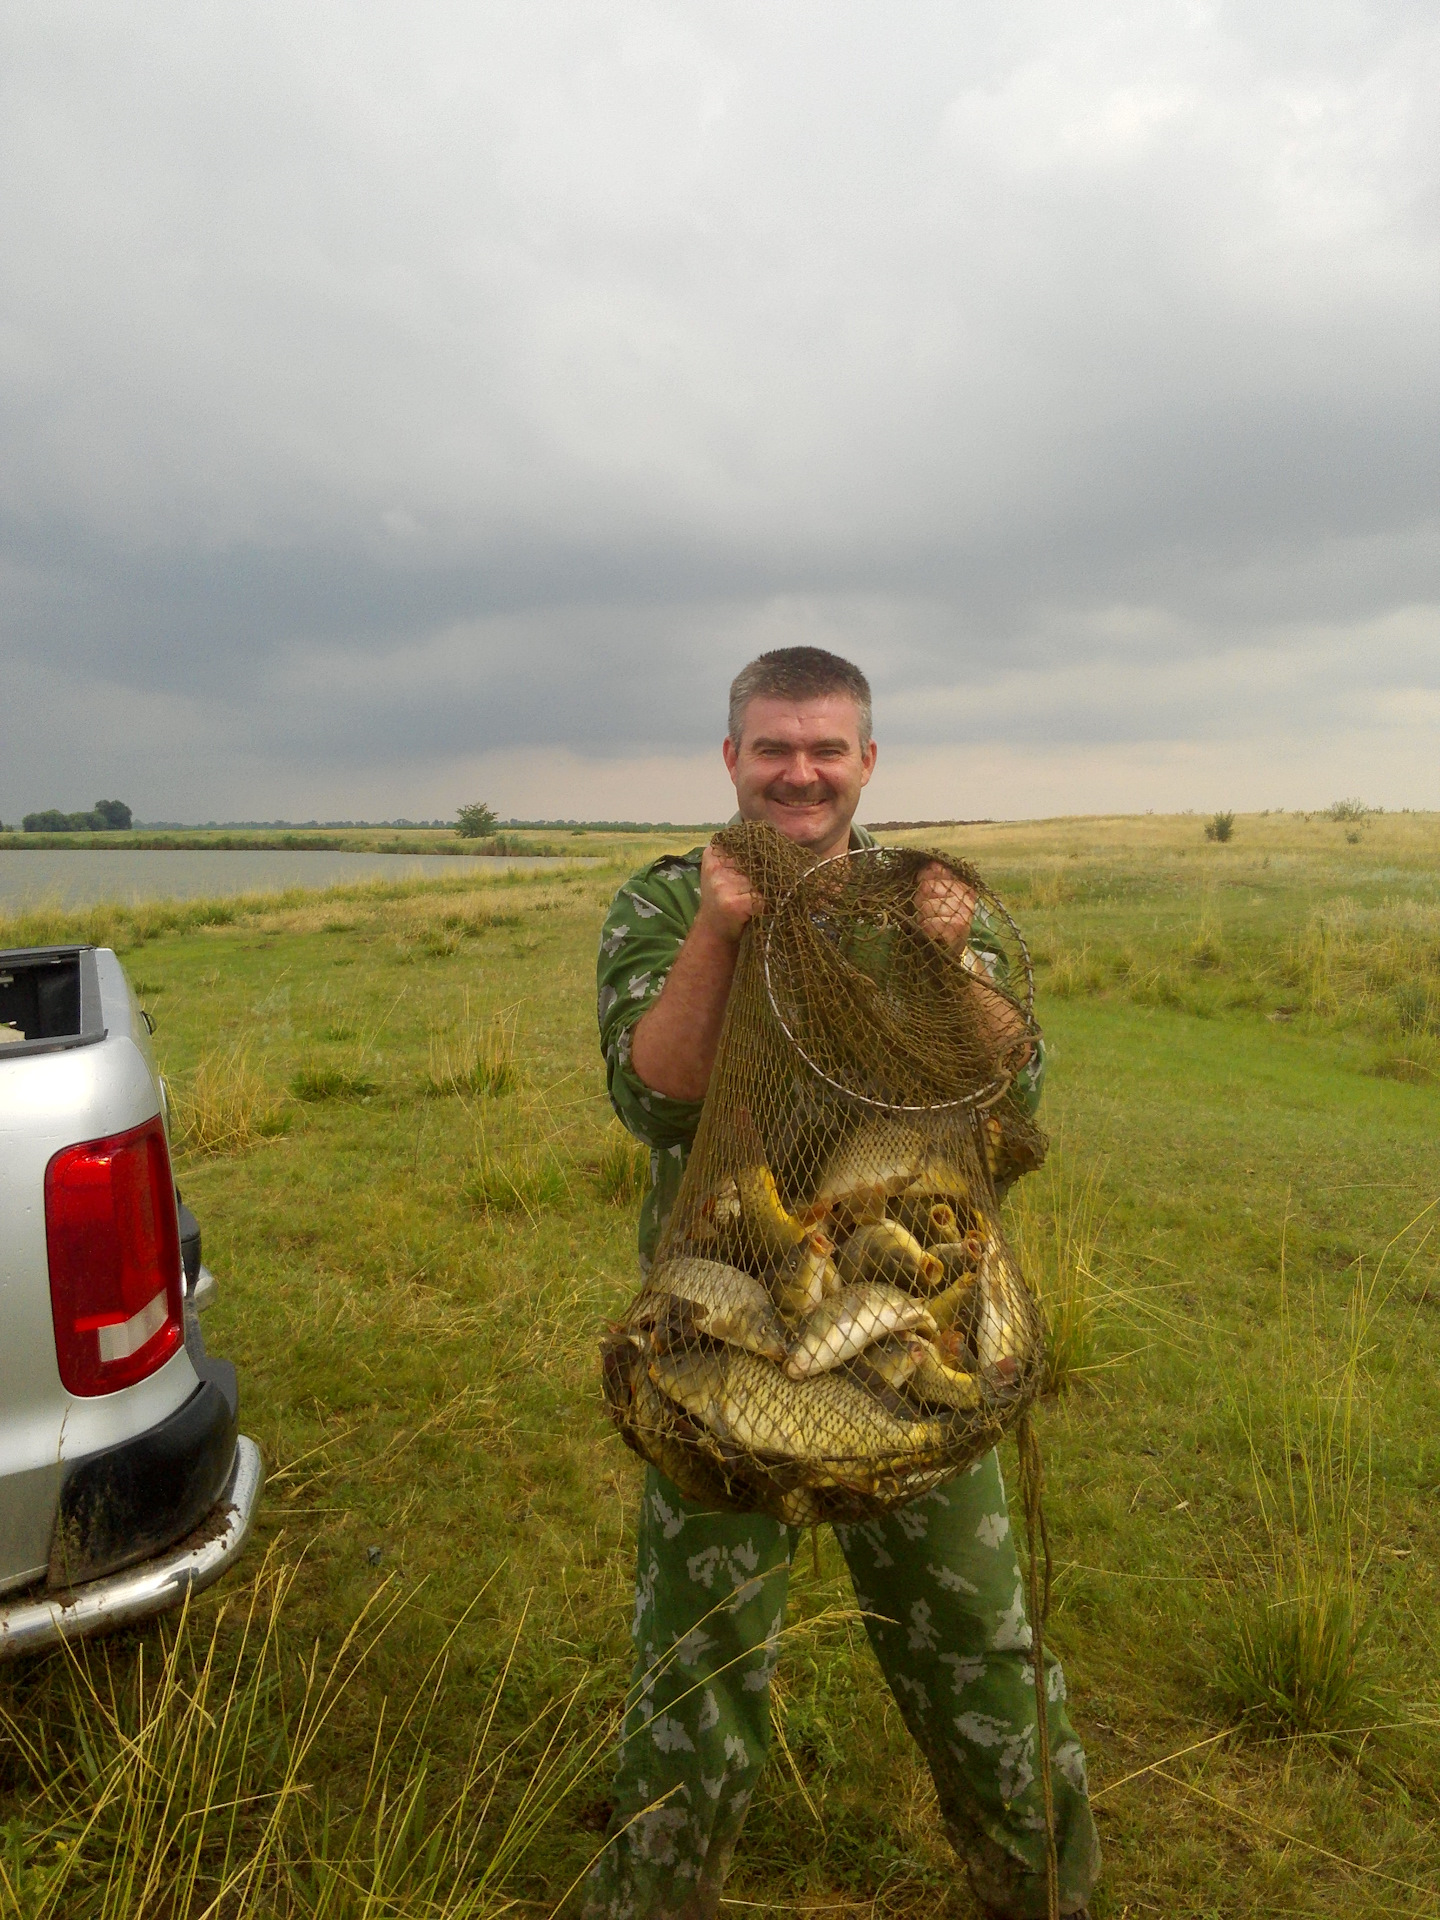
[[732, 755], [867, 760]]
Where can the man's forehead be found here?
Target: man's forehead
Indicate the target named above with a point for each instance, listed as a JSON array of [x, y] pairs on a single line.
[[828, 718]]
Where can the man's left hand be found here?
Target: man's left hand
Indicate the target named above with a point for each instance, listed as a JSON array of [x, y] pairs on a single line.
[[944, 905]]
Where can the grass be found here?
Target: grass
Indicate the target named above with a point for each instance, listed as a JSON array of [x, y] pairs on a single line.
[[478, 1056], [226, 1104], [622, 1172], [193, 1779], [411, 1285]]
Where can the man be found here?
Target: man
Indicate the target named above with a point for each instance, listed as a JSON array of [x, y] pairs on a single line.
[[938, 1580]]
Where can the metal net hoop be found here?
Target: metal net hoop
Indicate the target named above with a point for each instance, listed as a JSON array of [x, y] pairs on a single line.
[[883, 877]]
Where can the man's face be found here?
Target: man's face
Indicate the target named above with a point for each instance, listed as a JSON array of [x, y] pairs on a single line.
[[800, 765]]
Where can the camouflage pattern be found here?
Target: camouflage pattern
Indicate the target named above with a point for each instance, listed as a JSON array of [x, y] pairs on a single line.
[[940, 1576], [954, 1646]]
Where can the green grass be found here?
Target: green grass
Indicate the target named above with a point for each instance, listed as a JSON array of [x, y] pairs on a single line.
[[1247, 1440]]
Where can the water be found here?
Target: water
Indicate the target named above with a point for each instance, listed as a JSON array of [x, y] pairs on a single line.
[[81, 877]]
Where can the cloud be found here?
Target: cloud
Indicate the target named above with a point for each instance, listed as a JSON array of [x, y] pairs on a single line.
[[380, 389]]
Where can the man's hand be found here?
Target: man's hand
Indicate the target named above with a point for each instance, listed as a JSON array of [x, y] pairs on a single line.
[[726, 902], [673, 1045], [944, 905]]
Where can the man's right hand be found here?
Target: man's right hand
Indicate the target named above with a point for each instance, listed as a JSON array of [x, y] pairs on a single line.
[[726, 902]]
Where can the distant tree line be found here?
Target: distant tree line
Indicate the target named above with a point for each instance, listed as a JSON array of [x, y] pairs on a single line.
[[106, 816]]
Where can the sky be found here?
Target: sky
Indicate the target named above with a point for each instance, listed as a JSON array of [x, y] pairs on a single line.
[[401, 406]]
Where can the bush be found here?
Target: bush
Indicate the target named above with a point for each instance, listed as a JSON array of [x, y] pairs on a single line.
[[1348, 810], [475, 822], [1220, 826]]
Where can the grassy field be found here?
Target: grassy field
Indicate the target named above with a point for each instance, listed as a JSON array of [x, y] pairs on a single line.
[[398, 1146], [525, 840]]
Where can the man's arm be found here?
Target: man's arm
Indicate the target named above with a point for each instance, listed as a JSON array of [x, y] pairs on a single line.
[[945, 908], [673, 1046]]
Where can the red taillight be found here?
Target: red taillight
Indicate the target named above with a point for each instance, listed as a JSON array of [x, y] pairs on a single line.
[[114, 1259]]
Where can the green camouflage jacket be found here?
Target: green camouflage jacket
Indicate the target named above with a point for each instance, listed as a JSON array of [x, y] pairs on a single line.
[[644, 930]]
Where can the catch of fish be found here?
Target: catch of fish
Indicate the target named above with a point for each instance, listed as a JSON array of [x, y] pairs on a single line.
[[829, 1356]]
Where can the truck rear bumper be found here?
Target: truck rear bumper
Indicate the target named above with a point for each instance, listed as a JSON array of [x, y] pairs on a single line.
[[31, 1623]]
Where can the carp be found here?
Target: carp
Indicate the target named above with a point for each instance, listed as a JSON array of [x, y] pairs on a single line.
[[1002, 1332], [805, 1277], [933, 1222], [883, 1250], [753, 1406], [747, 1213], [850, 1321], [878, 1160], [939, 1385], [723, 1303]]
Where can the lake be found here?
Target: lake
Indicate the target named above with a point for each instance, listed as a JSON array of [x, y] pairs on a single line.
[[83, 877]]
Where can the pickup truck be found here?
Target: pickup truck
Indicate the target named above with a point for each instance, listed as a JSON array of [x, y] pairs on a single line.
[[124, 1481]]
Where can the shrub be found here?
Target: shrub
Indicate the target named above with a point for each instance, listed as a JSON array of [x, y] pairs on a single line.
[[1348, 810], [1220, 826], [476, 821]]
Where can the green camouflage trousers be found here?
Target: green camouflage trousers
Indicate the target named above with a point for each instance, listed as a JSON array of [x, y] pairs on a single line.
[[939, 1581]]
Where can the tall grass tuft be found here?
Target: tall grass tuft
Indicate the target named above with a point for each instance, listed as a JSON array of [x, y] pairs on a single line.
[[1293, 1659], [226, 1104], [531, 1181], [1058, 1218], [191, 1782], [324, 1082], [623, 1172], [478, 1057]]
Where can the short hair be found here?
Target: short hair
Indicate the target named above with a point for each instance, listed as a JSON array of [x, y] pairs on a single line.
[[798, 673]]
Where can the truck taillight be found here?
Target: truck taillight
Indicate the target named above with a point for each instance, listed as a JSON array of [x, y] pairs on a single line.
[[114, 1246]]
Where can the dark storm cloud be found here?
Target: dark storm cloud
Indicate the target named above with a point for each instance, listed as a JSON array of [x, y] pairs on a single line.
[[385, 387]]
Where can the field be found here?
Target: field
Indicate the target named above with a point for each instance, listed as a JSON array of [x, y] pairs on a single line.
[[397, 1143]]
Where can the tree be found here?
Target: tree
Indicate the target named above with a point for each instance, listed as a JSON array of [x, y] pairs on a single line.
[[115, 814], [475, 822]]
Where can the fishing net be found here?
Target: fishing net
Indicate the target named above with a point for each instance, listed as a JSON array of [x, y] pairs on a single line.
[[834, 1321]]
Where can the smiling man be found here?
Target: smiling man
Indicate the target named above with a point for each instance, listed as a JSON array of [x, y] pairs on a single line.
[[938, 1580]]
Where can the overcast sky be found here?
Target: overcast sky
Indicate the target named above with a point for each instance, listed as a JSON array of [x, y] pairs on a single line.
[[406, 404]]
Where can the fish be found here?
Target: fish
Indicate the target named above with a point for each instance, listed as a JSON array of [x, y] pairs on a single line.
[[724, 1304], [1002, 1333], [651, 1428], [878, 1160], [939, 1385], [954, 1307], [883, 1250], [694, 1378], [751, 1405], [747, 1213], [850, 1321], [938, 1178], [805, 1277], [933, 1222], [893, 1360]]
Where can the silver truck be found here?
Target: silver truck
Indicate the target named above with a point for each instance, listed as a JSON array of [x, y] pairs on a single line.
[[124, 1480]]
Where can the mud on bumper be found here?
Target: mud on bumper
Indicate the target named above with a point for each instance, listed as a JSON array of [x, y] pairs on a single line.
[[32, 1622]]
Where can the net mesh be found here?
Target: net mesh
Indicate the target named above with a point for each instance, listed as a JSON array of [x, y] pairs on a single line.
[[833, 1322]]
